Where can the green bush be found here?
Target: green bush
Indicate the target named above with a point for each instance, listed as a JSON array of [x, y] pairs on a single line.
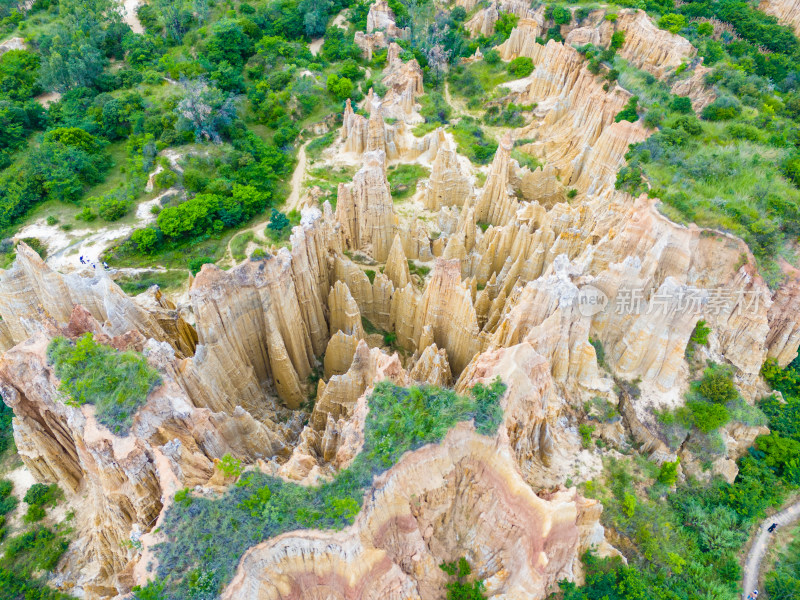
[[618, 39], [716, 384], [35, 513], [340, 88], [668, 474], [116, 383], [34, 550], [672, 22], [522, 66], [629, 113], [700, 333], [42, 494], [722, 109], [559, 14], [585, 431], [195, 264], [260, 507], [8, 502], [112, 208], [165, 179], [681, 104], [459, 588], [707, 417]]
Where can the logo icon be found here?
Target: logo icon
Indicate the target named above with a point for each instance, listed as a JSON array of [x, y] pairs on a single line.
[[591, 301]]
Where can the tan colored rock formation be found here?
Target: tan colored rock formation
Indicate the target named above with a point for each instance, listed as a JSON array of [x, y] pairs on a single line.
[[522, 40], [482, 22], [344, 313], [381, 18], [365, 209], [339, 354], [121, 480], [650, 48], [32, 292], [786, 11], [448, 184], [695, 88], [446, 317], [577, 128], [403, 81], [361, 135], [495, 204], [432, 368], [370, 42], [426, 507], [397, 265], [15, 43]]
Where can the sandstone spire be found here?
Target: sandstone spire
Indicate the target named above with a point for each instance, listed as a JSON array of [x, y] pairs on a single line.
[[446, 307], [365, 209], [496, 205], [397, 265], [447, 185], [344, 313]]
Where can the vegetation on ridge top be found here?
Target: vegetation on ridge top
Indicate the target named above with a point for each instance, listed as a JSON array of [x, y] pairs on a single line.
[[207, 536]]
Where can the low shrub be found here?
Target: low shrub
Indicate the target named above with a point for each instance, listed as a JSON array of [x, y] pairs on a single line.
[[259, 506], [116, 383]]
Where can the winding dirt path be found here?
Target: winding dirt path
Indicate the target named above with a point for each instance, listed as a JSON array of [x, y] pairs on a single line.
[[752, 566], [292, 203], [299, 175]]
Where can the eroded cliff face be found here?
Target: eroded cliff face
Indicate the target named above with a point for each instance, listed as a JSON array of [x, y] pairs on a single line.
[[463, 497], [786, 11], [123, 481]]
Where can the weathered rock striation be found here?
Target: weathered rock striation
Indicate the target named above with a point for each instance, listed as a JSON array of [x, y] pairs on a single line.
[[786, 11]]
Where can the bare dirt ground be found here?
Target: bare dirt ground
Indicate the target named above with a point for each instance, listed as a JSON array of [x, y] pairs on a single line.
[[763, 539]]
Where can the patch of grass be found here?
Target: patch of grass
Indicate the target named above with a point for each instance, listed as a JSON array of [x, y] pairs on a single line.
[[141, 282], [36, 550], [403, 180], [478, 81], [316, 146], [601, 409], [207, 536], [599, 352], [416, 269], [526, 160], [784, 580], [239, 245], [116, 383], [473, 142]]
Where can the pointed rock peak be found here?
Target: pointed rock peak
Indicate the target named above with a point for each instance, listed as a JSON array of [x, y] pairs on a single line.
[[397, 264], [344, 313], [348, 108], [455, 248]]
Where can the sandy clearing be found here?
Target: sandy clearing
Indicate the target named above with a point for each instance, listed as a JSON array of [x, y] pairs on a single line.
[[129, 15]]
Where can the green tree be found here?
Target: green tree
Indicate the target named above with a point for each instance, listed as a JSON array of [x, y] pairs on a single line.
[[522, 66], [277, 222], [716, 385], [505, 24], [672, 22], [19, 70], [618, 39], [459, 588], [340, 88], [145, 239]]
